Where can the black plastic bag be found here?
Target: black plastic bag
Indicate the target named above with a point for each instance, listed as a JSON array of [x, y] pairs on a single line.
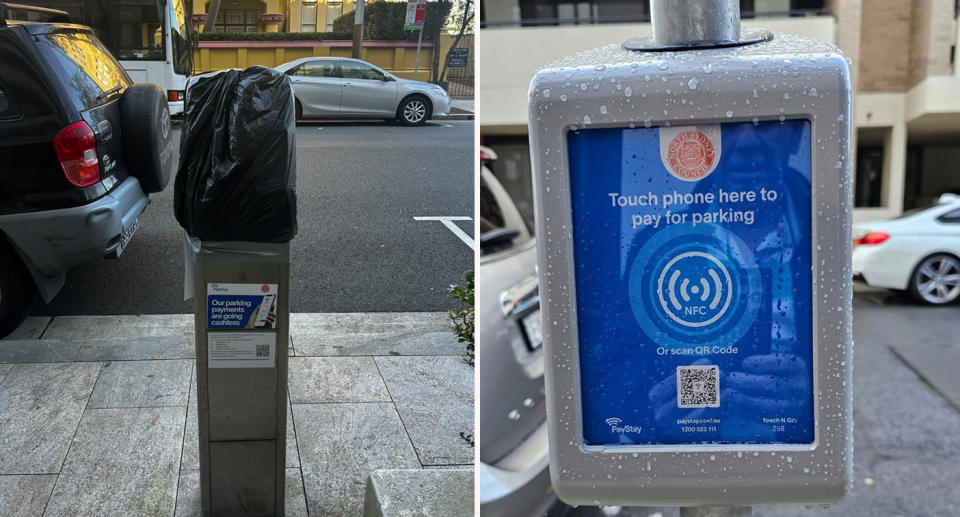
[[237, 175]]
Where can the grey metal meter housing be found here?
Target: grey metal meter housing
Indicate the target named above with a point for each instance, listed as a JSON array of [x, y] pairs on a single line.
[[782, 78]]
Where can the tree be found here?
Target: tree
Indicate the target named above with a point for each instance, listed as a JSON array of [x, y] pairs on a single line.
[[212, 12], [464, 23]]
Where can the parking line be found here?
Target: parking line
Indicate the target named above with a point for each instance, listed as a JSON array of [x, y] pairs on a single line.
[[448, 222]]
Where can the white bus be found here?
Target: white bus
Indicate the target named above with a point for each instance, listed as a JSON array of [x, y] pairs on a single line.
[[150, 38]]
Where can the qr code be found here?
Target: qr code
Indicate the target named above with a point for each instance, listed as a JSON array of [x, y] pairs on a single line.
[[698, 386], [263, 350]]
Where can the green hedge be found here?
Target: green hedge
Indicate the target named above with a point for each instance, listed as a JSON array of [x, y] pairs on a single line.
[[384, 21], [275, 36]]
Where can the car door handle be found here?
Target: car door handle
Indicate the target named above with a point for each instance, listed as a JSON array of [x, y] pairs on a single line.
[[348, 84]]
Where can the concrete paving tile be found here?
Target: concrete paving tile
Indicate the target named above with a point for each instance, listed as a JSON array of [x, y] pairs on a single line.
[[122, 462], [85, 327], [335, 379], [19, 351], [293, 456], [188, 494], [191, 435], [346, 322], [136, 348], [384, 343], [31, 328], [434, 396], [143, 384], [4, 368], [340, 445], [40, 407], [25, 496]]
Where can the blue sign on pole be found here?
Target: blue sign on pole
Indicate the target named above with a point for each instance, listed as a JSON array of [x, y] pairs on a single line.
[[692, 253]]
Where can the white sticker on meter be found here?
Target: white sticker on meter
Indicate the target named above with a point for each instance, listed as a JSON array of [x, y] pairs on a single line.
[[241, 349]]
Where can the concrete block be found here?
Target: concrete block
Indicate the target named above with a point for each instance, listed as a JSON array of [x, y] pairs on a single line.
[[40, 406], [413, 493]]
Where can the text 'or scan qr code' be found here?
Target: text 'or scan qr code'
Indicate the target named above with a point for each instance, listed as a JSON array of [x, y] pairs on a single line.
[[263, 350], [698, 386]]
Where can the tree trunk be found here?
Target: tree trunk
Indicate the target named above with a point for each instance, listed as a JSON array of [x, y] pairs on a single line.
[[212, 12], [467, 16]]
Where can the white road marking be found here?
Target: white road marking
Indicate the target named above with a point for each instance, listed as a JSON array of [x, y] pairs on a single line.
[[448, 222]]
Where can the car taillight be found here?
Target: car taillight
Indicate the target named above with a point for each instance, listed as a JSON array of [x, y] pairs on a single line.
[[872, 238], [76, 148], [174, 95]]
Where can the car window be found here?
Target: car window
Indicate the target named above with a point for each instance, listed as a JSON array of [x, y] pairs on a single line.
[[358, 70], [83, 63], [7, 109], [322, 68], [501, 226], [952, 216]]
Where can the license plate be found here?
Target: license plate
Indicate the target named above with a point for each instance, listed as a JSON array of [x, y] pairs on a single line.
[[127, 234], [533, 329]]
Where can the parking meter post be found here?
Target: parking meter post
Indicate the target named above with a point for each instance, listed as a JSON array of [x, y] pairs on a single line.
[[241, 293], [715, 511], [679, 22]]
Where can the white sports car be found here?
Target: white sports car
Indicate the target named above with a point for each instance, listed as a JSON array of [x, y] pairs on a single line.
[[919, 252]]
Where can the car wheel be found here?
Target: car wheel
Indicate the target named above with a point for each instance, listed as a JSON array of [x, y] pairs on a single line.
[[147, 136], [414, 111], [299, 112], [936, 280], [17, 292]]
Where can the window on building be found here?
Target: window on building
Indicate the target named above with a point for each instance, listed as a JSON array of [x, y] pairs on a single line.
[[308, 16], [358, 70], [334, 11], [868, 185], [238, 20]]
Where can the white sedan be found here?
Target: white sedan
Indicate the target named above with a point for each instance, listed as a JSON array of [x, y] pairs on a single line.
[[919, 253]]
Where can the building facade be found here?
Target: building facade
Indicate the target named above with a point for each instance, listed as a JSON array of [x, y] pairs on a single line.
[[902, 54], [273, 15]]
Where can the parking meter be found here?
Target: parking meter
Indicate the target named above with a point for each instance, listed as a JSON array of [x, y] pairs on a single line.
[[693, 212], [235, 198]]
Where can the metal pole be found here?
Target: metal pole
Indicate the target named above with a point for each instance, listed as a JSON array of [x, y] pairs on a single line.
[[417, 66], [686, 21], [715, 511], [357, 29]]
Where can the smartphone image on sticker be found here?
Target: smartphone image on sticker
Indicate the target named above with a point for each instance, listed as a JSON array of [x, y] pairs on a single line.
[[265, 308]]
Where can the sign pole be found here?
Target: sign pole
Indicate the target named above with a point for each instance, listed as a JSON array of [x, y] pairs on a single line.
[[416, 67]]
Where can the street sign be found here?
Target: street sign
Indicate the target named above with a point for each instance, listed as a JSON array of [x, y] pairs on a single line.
[[693, 220], [416, 13], [458, 57]]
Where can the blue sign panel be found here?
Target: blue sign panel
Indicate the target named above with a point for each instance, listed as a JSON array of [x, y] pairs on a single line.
[[692, 252], [241, 306]]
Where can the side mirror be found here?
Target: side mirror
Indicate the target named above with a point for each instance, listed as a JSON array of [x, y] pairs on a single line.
[[387, 79]]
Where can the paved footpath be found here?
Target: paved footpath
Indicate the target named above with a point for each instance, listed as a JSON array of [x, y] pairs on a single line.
[[98, 414]]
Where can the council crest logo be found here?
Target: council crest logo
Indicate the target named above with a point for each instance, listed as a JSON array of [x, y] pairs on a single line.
[[690, 153]]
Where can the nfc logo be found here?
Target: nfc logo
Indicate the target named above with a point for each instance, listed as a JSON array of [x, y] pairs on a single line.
[[695, 289]]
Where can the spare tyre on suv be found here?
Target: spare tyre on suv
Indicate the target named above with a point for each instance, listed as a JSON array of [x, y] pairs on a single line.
[[80, 149]]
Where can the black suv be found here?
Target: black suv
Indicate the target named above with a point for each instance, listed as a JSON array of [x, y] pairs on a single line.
[[81, 147]]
